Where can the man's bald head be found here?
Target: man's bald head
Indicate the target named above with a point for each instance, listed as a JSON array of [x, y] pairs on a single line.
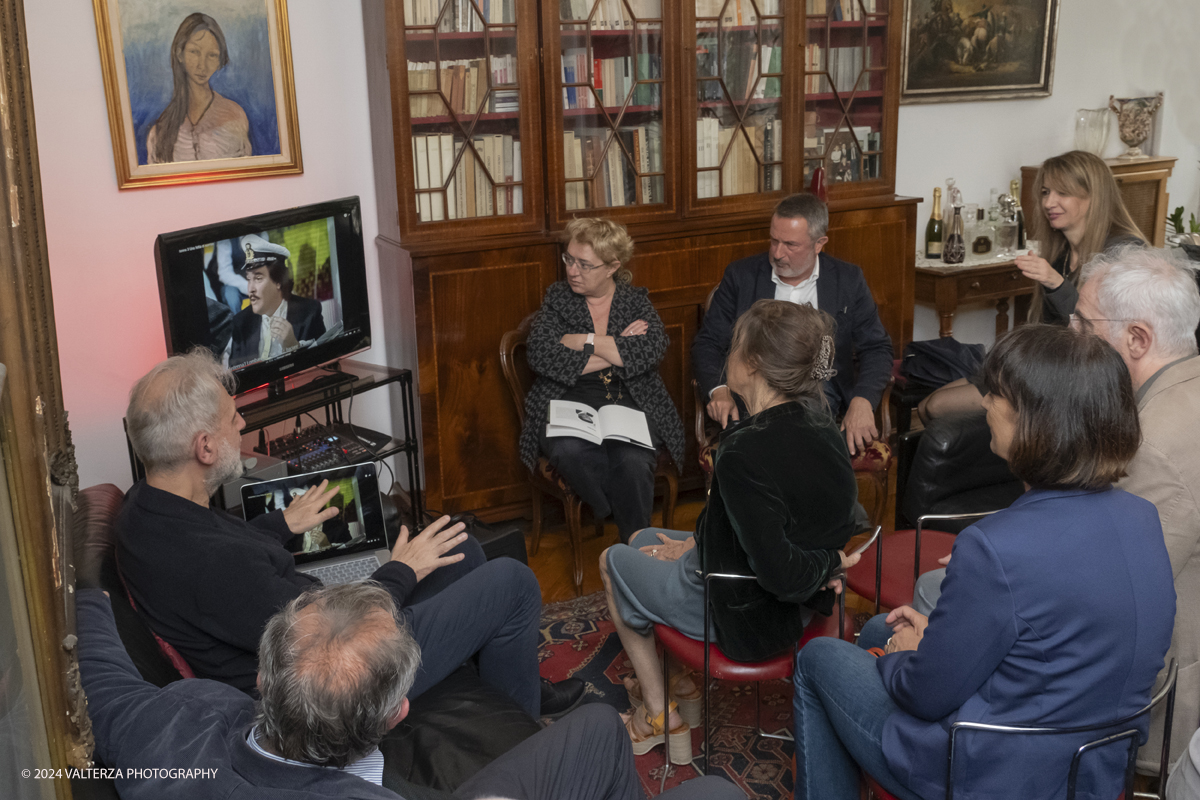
[[335, 666]]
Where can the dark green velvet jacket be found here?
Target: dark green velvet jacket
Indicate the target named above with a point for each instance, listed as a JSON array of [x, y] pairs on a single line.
[[781, 504]]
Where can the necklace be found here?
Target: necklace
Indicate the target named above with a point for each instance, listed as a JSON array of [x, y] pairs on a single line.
[[195, 139], [610, 379]]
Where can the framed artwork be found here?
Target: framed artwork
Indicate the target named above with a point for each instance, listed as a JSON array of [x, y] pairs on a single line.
[[198, 90], [978, 50]]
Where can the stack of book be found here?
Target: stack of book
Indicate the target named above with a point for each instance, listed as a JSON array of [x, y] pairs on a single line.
[[736, 12], [730, 150], [611, 15], [843, 10], [606, 178], [844, 66], [466, 190], [458, 16], [464, 84], [612, 77]]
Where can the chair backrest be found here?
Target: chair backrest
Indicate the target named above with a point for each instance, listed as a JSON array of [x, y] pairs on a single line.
[[515, 365], [1115, 731]]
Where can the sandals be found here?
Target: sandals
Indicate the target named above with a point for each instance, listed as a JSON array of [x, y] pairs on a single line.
[[680, 750], [690, 706]]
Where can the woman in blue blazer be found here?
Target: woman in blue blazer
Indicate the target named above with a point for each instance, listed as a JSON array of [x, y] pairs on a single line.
[[1056, 611]]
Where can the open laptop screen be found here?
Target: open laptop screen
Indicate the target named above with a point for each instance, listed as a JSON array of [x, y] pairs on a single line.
[[358, 526]]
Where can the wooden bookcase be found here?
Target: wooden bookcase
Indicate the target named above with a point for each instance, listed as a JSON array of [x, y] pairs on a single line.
[[683, 120]]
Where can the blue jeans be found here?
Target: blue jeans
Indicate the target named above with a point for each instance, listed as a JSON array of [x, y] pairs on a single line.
[[470, 607], [840, 709]]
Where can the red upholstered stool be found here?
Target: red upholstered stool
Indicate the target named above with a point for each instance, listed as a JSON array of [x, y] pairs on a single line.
[[707, 659]]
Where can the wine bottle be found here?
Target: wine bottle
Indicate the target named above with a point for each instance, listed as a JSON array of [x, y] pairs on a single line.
[[1014, 188], [935, 227], [956, 247]]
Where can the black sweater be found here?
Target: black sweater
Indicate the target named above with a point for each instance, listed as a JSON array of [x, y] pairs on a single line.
[[780, 506], [207, 582]]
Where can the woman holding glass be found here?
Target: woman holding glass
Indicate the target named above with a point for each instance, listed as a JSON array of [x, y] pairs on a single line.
[[1082, 214], [598, 341]]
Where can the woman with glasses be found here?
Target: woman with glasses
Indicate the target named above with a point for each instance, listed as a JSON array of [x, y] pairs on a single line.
[[598, 341]]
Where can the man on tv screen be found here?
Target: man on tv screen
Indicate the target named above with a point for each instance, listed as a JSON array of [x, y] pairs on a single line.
[[276, 321]]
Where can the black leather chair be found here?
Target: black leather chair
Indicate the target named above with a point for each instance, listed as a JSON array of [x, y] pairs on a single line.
[[452, 731], [949, 468]]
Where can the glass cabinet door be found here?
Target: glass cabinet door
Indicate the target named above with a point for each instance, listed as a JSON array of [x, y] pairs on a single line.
[[465, 107], [740, 126], [845, 79], [612, 93]]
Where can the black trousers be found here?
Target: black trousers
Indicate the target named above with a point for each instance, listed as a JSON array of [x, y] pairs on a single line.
[[614, 478], [583, 756]]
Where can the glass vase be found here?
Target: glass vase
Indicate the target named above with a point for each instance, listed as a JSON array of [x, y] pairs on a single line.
[[1091, 130]]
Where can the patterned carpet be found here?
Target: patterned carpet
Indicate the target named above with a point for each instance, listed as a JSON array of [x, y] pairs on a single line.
[[579, 640]]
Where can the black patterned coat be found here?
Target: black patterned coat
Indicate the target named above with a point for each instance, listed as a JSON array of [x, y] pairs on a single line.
[[558, 367]]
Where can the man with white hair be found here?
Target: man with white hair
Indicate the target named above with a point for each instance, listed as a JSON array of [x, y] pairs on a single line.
[[207, 582], [1145, 303]]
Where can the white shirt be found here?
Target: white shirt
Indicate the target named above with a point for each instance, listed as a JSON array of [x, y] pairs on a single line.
[[801, 293], [369, 767], [267, 348]]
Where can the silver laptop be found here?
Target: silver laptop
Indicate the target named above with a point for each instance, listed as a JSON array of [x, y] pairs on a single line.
[[347, 548]]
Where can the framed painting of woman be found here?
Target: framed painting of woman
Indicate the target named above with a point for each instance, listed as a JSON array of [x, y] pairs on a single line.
[[198, 90]]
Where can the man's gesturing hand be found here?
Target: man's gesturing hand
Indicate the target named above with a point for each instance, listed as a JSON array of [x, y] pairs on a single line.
[[425, 552], [305, 512]]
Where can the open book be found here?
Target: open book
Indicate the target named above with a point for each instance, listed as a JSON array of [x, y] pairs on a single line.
[[610, 422]]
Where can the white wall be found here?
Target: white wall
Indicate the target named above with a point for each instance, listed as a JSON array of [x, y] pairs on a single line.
[[1105, 47], [101, 239]]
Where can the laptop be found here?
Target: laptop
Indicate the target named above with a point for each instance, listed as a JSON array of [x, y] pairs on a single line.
[[345, 549]]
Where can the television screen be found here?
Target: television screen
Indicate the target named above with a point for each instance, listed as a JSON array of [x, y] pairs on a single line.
[[270, 295]]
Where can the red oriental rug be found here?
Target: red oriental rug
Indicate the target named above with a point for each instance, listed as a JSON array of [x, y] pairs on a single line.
[[578, 640]]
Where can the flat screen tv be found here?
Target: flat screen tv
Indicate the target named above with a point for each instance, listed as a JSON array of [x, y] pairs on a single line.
[[271, 295]]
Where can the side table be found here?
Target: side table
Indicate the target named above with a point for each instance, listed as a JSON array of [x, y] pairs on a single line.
[[947, 286]]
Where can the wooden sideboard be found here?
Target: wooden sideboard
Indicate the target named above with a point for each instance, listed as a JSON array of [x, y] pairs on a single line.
[[946, 287], [1143, 184]]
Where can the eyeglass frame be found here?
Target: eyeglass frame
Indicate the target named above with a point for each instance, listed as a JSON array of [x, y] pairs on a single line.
[[1086, 324], [569, 261]]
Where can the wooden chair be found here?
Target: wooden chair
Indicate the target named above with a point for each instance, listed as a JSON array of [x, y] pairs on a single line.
[[872, 463], [544, 479]]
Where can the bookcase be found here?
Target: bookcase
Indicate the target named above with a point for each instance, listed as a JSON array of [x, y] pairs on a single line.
[[497, 121]]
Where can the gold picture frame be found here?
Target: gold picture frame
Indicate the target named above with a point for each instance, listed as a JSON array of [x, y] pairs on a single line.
[[961, 50], [174, 55]]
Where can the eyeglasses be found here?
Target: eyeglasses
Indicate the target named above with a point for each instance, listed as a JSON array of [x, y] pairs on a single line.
[[1086, 325], [570, 261]]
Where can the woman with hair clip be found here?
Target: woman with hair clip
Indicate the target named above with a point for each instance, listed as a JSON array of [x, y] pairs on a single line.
[[780, 506], [198, 123], [1082, 215], [1056, 611]]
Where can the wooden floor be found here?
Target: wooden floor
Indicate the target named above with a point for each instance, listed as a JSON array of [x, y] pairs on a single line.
[[553, 563]]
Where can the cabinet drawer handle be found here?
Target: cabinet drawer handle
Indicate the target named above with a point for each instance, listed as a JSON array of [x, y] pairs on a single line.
[[975, 285], [1016, 276]]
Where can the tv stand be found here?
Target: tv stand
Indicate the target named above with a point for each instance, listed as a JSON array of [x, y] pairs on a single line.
[[323, 379]]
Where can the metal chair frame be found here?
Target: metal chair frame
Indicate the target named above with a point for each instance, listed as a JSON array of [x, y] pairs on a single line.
[[786, 736], [917, 546], [1130, 735]]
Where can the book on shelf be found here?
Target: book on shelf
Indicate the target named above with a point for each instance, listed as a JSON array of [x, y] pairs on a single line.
[[736, 12], [458, 16], [748, 157], [609, 168], [815, 7], [840, 69], [468, 187]]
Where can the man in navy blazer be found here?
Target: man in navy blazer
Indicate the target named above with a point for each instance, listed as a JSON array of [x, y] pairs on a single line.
[[795, 269]]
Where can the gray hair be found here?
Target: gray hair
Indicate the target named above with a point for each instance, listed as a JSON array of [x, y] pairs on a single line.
[[333, 679], [1152, 285], [173, 402], [807, 207]]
